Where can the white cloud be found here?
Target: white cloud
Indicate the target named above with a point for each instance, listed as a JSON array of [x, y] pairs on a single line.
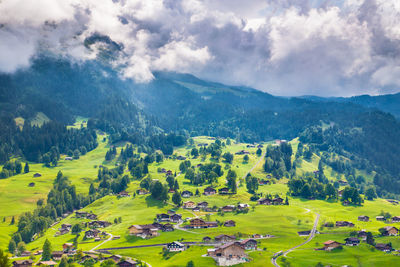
[[285, 47]]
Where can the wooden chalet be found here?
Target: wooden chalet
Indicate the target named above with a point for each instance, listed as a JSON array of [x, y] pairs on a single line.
[[396, 219], [167, 227], [209, 191], [228, 254], [98, 224], [176, 246], [384, 247], [163, 217], [344, 224], [202, 205], [206, 239], [144, 231], [223, 191], [49, 263], [249, 244], [264, 201], [22, 263], [199, 223], [186, 194], [189, 205], [352, 241], [142, 191], [230, 223], [123, 194], [175, 218], [127, 263], [228, 208], [331, 245], [363, 218], [92, 233], [223, 238], [390, 231], [57, 255]]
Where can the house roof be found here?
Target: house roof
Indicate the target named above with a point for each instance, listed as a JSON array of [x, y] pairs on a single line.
[[329, 242], [222, 235], [229, 244], [129, 261], [247, 240], [48, 262], [178, 243], [352, 239]]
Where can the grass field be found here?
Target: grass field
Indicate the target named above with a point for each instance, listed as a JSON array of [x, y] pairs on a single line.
[[283, 222]]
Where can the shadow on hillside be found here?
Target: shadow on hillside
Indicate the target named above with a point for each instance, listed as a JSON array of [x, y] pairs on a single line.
[[151, 202]]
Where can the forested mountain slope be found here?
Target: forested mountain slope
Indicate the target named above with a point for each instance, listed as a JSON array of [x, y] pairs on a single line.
[[186, 105]]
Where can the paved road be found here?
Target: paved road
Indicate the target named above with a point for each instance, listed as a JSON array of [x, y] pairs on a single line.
[[310, 237], [105, 241]]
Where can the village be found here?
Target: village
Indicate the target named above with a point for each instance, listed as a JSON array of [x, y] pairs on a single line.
[[206, 220]]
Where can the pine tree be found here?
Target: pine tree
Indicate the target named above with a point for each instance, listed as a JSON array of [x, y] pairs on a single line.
[[12, 220], [46, 255], [12, 246], [63, 262], [176, 198], [26, 168]]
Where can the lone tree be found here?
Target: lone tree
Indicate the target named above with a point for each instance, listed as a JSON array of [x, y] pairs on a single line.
[[176, 198], [26, 168], [370, 193], [12, 246], [46, 255]]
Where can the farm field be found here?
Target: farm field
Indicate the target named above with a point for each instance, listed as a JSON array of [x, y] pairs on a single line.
[[281, 222]]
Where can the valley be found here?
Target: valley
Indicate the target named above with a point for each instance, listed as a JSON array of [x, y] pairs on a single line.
[[275, 227]]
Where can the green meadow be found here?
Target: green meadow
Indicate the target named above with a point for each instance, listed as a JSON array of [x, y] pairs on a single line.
[[282, 222]]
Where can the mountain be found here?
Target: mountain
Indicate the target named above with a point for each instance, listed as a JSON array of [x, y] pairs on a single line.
[[388, 103], [184, 105]]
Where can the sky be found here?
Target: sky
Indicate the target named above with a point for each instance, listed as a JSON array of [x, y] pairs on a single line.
[[286, 47]]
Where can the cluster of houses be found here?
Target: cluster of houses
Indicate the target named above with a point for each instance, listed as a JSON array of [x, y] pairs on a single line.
[[85, 215], [64, 229], [167, 172], [199, 223], [57, 255], [269, 201], [204, 206], [174, 218], [208, 191], [364, 218], [354, 241], [146, 231]]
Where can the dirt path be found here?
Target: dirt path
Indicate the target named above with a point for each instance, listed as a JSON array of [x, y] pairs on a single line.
[[254, 166], [310, 237]]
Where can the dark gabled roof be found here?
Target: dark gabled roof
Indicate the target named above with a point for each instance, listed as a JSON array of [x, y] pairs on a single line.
[[128, 261], [352, 239]]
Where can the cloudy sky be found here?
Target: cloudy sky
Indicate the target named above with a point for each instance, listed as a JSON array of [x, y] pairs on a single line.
[[296, 47]]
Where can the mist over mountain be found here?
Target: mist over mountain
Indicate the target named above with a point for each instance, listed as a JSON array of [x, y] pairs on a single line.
[[185, 104]]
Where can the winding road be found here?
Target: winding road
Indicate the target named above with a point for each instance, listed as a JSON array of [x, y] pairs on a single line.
[[310, 237]]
